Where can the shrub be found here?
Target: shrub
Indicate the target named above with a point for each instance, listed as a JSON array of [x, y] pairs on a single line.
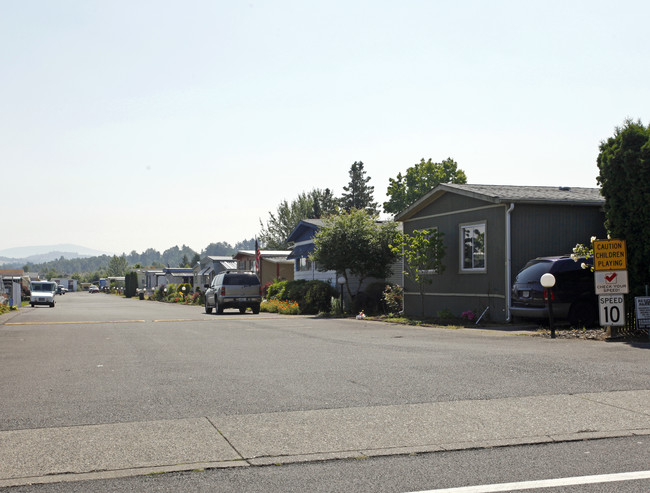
[[318, 297], [265, 288], [337, 306], [370, 300], [276, 290], [184, 290], [159, 293], [295, 290], [311, 296], [445, 314], [393, 298]]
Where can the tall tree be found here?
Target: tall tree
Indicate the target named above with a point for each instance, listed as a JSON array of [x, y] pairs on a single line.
[[173, 257], [219, 249], [624, 164], [117, 266], [355, 244], [310, 205], [419, 180], [358, 194], [325, 204], [245, 245]]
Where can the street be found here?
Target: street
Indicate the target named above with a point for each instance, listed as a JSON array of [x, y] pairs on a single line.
[[341, 403]]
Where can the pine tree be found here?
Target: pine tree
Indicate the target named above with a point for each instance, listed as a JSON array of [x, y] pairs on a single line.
[[358, 194]]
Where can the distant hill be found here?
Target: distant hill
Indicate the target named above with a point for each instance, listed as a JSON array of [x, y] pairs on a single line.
[[46, 253]]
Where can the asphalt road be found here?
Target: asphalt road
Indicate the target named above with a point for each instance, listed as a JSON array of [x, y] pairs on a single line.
[[99, 359], [407, 473]]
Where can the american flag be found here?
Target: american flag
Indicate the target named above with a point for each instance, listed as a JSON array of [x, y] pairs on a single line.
[[258, 256]]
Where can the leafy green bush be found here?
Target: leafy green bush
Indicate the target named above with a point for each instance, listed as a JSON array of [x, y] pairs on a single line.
[[370, 300], [311, 296], [318, 297], [295, 290], [445, 314], [159, 293], [393, 298], [276, 290]]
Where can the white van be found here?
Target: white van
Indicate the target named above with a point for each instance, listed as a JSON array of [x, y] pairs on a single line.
[[42, 293]]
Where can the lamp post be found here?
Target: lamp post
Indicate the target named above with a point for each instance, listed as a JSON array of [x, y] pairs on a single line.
[[548, 281], [341, 281]]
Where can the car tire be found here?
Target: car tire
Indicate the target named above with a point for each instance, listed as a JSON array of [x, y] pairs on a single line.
[[52, 305], [582, 313], [256, 309], [242, 309], [208, 309], [32, 305], [218, 308]]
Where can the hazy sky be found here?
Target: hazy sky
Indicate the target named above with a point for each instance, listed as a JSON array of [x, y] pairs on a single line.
[[126, 125]]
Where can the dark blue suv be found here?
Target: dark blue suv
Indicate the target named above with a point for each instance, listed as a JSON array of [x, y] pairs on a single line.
[[573, 296]]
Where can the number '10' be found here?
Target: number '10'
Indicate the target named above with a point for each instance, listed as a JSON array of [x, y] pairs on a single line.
[[612, 314]]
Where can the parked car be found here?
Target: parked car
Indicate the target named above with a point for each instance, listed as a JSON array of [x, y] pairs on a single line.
[[93, 289], [61, 290], [42, 293], [573, 296], [233, 289]]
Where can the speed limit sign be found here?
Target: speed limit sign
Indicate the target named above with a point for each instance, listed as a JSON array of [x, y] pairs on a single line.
[[612, 310]]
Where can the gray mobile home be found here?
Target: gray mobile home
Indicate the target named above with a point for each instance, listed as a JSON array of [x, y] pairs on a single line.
[[490, 232]]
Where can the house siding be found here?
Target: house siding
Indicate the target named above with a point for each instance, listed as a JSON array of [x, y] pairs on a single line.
[[548, 230], [455, 290], [315, 275]]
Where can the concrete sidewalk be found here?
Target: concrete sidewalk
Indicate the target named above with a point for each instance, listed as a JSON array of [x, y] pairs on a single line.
[[128, 449]]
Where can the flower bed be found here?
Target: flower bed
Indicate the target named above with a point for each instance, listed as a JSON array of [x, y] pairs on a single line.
[[279, 306]]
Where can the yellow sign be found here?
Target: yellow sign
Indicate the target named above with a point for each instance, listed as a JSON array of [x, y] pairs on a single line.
[[609, 255]]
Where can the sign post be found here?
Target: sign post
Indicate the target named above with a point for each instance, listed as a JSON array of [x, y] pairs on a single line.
[[610, 277]]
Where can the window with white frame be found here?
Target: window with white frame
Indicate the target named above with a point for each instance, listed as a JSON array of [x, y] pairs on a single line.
[[472, 247], [303, 264]]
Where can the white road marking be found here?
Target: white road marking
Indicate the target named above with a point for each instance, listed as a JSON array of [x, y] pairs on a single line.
[[546, 483]]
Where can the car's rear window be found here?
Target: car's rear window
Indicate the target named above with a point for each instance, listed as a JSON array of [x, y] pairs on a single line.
[[240, 279], [570, 265], [533, 271]]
